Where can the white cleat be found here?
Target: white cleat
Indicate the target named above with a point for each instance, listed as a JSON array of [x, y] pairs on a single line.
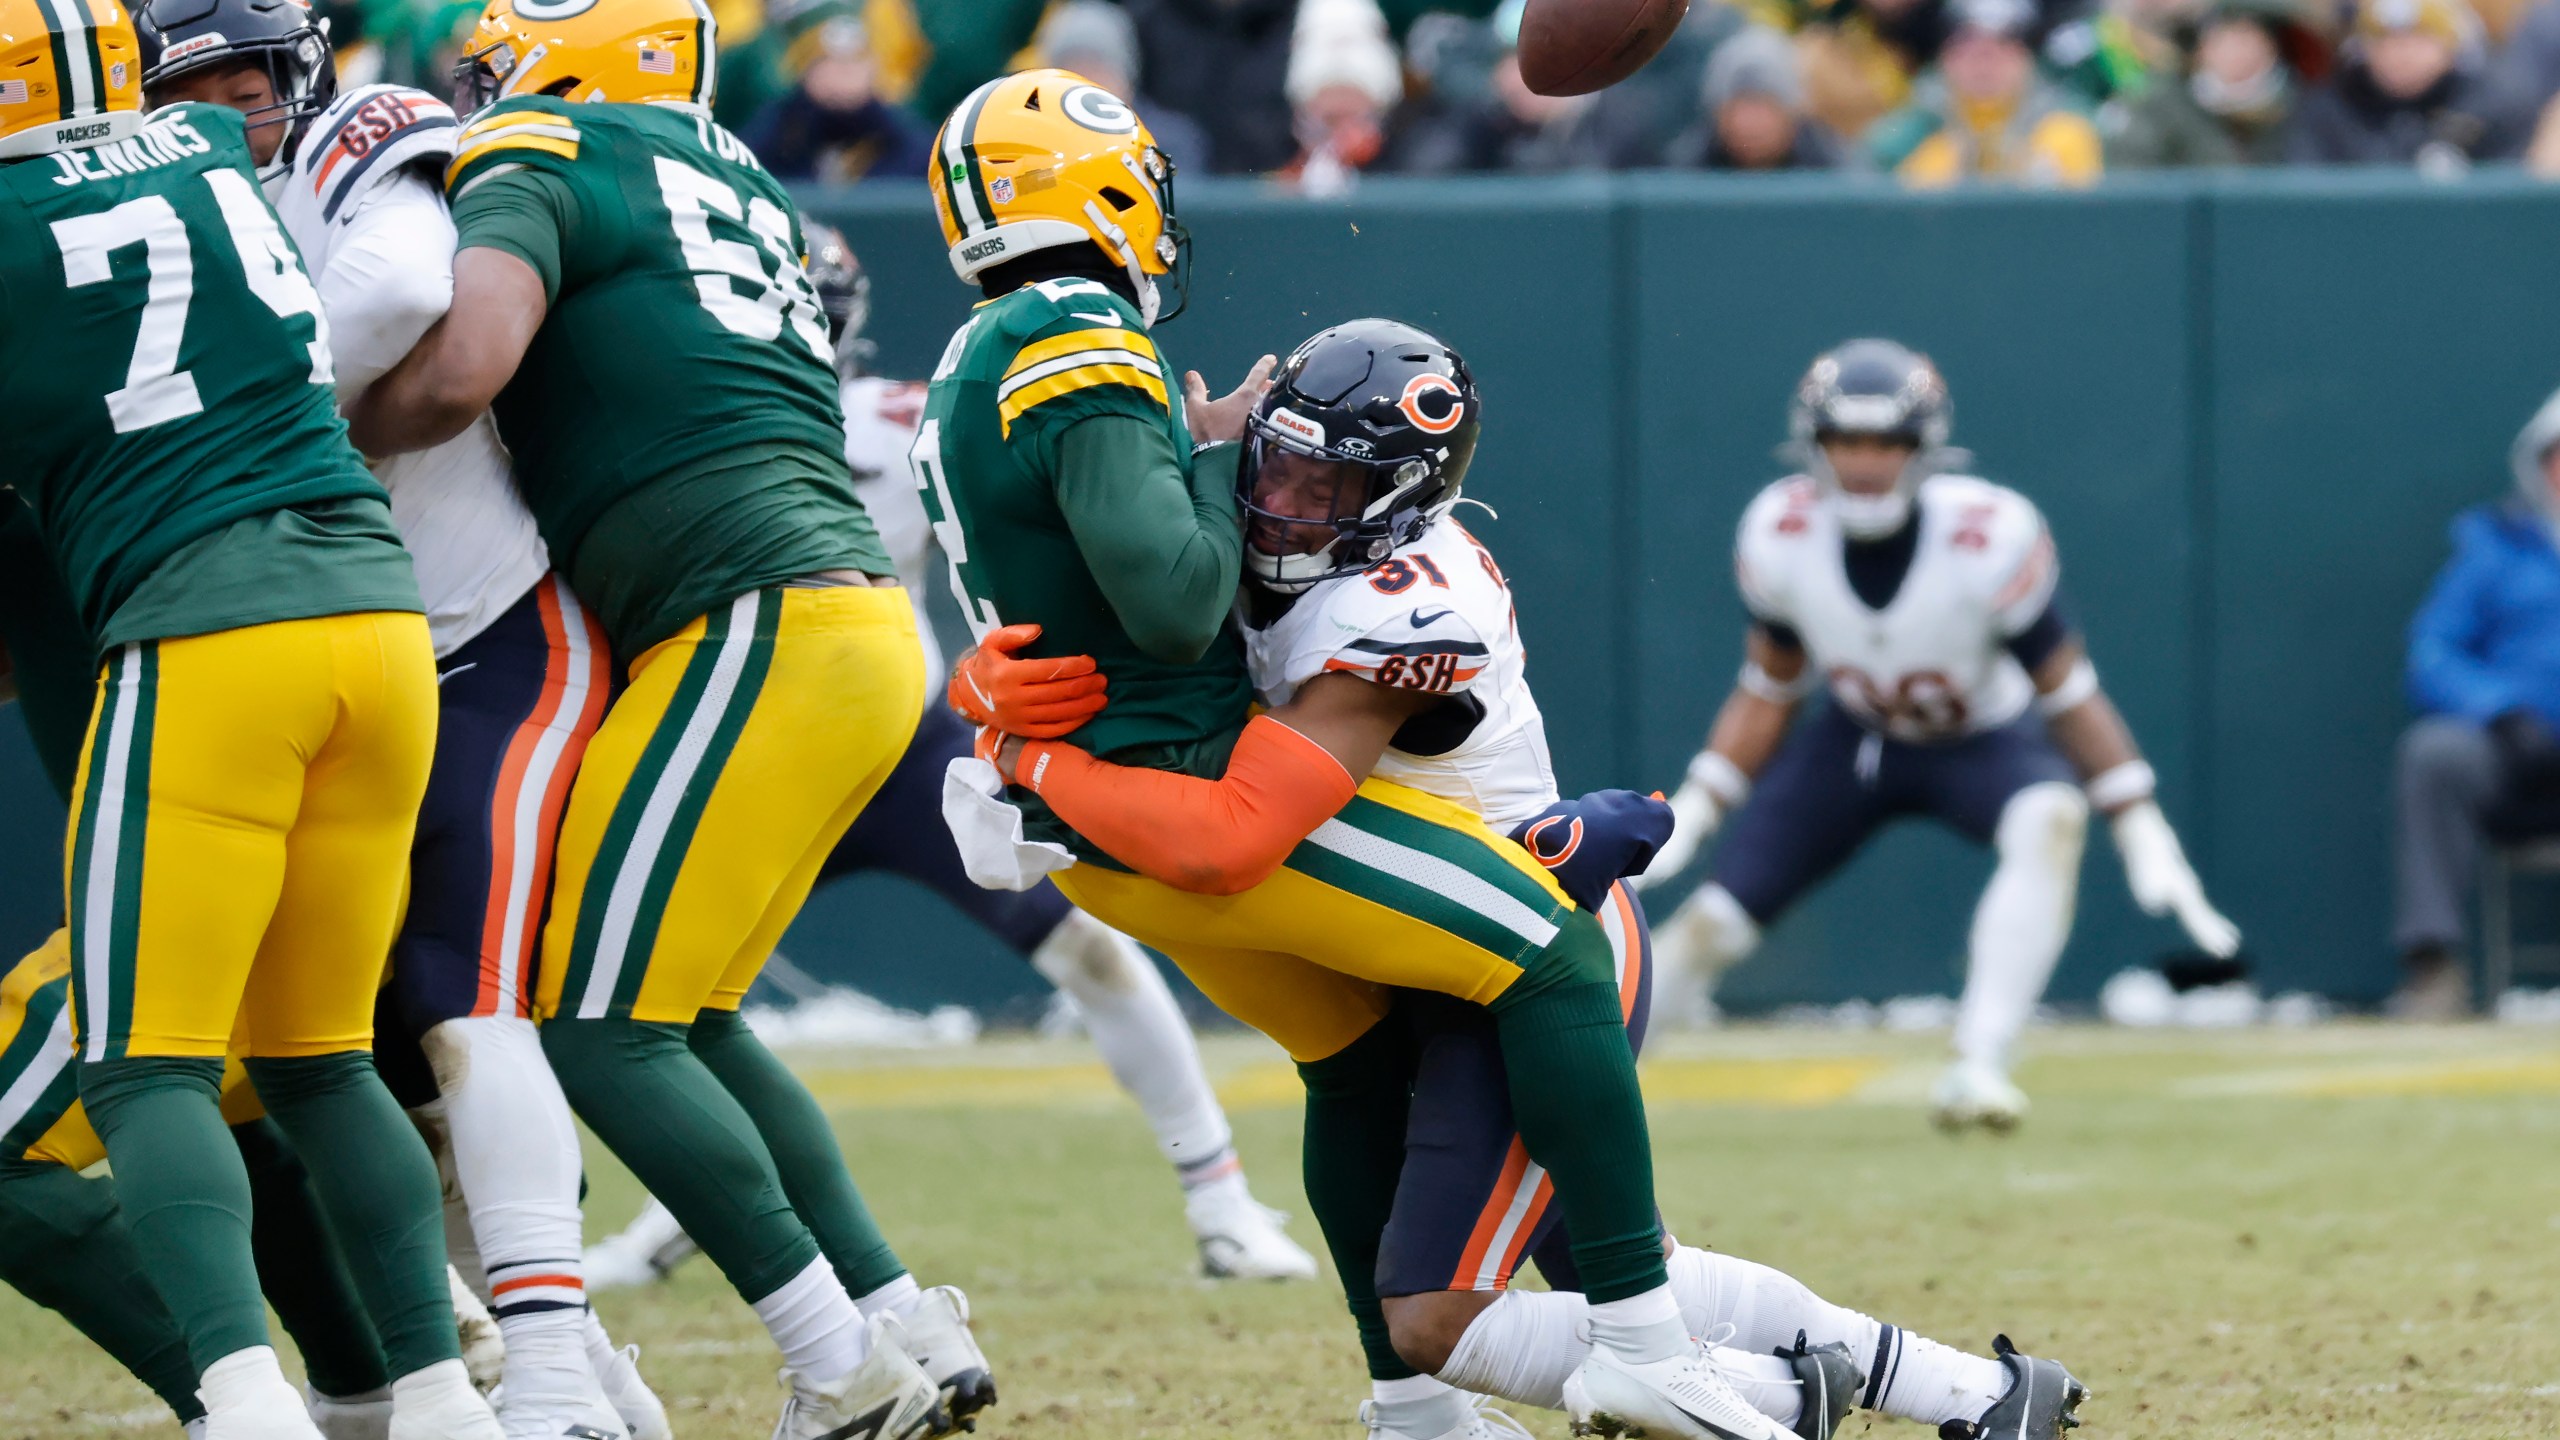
[[484, 1349], [887, 1397], [936, 1332], [1483, 1422], [632, 1399], [1682, 1398], [350, 1417], [1240, 1237], [439, 1403], [1971, 1093], [643, 1252], [246, 1397], [558, 1403]]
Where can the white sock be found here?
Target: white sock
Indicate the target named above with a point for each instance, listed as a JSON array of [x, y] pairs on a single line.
[[515, 1154], [2023, 920], [1522, 1346], [895, 1298], [1420, 1406], [815, 1324], [1133, 1019], [601, 1356], [244, 1377], [194, 1428], [1767, 1308], [1642, 1328]]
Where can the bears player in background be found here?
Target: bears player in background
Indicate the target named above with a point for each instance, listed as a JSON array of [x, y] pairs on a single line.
[[1125, 1004], [522, 678], [1359, 582], [628, 296], [1927, 602], [265, 717]]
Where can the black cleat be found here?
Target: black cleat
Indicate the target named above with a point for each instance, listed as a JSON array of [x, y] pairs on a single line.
[[1830, 1377], [2043, 1400]]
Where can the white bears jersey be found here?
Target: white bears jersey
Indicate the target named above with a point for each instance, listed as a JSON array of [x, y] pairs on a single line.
[[1933, 664], [1437, 616], [364, 202], [880, 419]]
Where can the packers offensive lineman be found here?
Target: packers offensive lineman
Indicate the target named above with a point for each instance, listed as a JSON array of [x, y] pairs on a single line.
[[266, 714], [1122, 999], [63, 1242], [523, 676], [1928, 602], [1066, 494], [628, 296], [1358, 573]]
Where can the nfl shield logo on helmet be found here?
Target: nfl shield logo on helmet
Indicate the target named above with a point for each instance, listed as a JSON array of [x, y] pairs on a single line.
[[1000, 189]]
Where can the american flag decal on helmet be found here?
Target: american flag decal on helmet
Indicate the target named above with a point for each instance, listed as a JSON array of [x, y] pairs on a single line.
[[13, 92], [657, 62]]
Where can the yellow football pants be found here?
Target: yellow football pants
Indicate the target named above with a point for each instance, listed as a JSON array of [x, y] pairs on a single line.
[[1400, 889], [723, 775], [240, 836]]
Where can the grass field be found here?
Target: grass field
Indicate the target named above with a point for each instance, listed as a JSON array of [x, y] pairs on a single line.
[[2349, 1231]]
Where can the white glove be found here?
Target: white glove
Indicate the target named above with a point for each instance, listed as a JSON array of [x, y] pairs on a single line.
[[1714, 785], [2163, 883]]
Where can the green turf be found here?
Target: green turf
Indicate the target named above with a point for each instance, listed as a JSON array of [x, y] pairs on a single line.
[[2347, 1232]]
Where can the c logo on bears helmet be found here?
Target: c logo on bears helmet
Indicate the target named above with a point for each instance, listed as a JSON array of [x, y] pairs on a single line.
[[1418, 408], [1094, 108]]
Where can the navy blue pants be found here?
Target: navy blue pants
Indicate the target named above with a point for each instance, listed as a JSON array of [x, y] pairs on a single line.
[[1470, 1204], [515, 708], [901, 832], [1833, 783]]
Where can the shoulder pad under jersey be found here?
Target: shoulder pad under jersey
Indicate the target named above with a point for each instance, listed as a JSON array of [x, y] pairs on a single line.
[[2001, 538], [1771, 542], [365, 137], [1392, 626]]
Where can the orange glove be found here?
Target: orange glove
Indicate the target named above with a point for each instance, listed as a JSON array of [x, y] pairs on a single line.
[[1036, 699]]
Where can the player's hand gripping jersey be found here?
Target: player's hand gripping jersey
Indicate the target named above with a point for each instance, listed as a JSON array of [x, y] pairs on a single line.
[[680, 320], [364, 203], [1437, 617], [167, 354], [1001, 455], [1933, 665]]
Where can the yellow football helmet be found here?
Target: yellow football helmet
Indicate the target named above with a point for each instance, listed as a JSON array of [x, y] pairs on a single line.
[[70, 75], [632, 51], [1046, 159]]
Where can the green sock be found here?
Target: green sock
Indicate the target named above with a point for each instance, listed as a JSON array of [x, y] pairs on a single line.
[[184, 1195], [380, 1192], [302, 1271], [1358, 1102], [1580, 1111], [803, 1145], [658, 1107], [64, 1245]]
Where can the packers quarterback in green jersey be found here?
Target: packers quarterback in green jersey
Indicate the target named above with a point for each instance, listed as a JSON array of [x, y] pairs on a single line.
[[630, 301], [246, 790], [1081, 523]]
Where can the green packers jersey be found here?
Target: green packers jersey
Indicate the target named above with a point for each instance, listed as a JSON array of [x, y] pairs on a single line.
[[49, 652], [676, 425], [1025, 370], [165, 369]]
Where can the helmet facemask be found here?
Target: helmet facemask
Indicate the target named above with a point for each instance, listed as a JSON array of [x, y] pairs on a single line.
[[1371, 508], [480, 77], [298, 65], [1879, 391]]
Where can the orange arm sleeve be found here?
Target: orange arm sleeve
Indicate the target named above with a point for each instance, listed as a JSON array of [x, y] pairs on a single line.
[[1210, 837]]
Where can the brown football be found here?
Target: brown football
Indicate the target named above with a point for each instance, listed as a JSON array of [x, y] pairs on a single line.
[[1573, 47]]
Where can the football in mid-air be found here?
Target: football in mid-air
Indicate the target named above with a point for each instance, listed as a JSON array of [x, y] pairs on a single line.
[[1573, 47]]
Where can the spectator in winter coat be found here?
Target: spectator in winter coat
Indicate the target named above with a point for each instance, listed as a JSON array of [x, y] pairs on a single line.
[[1861, 57], [1095, 40], [833, 124], [2483, 762], [1345, 74], [2229, 100], [2412, 92], [1752, 111], [1988, 114]]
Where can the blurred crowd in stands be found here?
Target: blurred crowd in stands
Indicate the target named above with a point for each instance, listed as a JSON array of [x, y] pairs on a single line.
[[1316, 93]]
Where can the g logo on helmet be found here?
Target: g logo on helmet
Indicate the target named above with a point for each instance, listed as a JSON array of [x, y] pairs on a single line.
[[1090, 106], [545, 11], [1420, 408]]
